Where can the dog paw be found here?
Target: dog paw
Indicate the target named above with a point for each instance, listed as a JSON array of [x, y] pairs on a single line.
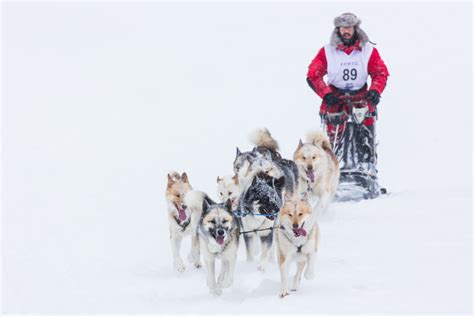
[[197, 265], [179, 266], [193, 257], [309, 275], [216, 292], [227, 282], [283, 293], [294, 288]]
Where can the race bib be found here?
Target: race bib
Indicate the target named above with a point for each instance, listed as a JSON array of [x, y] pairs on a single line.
[[348, 72]]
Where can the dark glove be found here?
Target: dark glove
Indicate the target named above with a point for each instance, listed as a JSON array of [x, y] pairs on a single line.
[[373, 96], [330, 99]]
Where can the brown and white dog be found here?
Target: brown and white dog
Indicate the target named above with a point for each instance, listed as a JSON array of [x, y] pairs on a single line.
[[318, 170], [297, 240], [182, 220]]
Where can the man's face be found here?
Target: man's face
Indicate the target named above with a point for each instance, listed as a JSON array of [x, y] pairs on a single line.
[[346, 32]]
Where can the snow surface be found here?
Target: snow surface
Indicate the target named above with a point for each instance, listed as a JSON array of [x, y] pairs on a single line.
[[101, 100]]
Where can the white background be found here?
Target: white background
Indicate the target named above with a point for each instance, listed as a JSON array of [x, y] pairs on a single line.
[[101, 100]]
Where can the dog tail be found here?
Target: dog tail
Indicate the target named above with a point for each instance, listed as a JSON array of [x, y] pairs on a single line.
[[319, 139], [263, 138]]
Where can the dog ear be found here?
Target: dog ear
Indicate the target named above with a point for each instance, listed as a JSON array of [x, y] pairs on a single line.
[[184, 177], [300, 144], [170, 181], [236, 179], [254, 150], [267, 155], [280, 182], [326, 145], [287, 196], [304, 196], [205, 206], [238, 152], [228, 205], [219, 179]]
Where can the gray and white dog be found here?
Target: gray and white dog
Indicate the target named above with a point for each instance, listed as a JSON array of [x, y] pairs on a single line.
[[263, 176], [218, 233]]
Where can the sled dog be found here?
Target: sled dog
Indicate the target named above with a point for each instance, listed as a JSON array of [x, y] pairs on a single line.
[[297, 240], [218, 233], [182, 220], [318, 170]]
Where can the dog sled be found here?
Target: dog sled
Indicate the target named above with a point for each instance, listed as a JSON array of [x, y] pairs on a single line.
[[355, 145]]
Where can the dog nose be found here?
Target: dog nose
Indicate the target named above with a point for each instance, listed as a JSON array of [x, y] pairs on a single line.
[[310, 167], [184, 207], [295, 225], [220, 232]]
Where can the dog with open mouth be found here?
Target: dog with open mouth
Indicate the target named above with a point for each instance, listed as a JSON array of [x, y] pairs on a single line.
[[297, 240], [182, 220], [318, 169], [218, 233]]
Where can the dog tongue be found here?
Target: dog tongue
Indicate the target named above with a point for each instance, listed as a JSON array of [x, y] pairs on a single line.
[[181, 214], [220, 240], [299, 232], [310, 175]]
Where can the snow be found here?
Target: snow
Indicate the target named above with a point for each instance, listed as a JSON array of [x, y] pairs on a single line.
[[101, 100]]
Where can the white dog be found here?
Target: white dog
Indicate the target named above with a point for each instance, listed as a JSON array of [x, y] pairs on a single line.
[[182, 220], [318, 170]]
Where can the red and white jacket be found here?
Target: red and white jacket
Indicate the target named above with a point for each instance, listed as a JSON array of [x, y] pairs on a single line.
[[318, 68]]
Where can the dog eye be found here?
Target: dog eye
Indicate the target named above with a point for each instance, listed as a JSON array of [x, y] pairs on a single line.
[[304, 158], [177, 195], [314, 157], [290, 215], [221, 193], [225, 221], [213, 222], [300, 214], [230, 193]]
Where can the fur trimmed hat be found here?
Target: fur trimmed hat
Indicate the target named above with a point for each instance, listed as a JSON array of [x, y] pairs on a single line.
[[347, 20]]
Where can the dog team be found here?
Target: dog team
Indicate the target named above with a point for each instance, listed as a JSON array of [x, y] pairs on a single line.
[[267, 200]]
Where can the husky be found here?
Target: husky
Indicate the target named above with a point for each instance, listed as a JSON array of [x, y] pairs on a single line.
[[265, 158], [258, 208], [182, 220], [318, 170], [228, 188], [218, 233], [297, 240], [263, 176]]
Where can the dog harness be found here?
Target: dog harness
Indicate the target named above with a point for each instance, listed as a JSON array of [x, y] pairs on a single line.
[[298, 248], [182, 225]]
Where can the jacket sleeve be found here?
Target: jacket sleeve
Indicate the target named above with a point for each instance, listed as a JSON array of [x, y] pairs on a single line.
[[377, 71], [316, 72]]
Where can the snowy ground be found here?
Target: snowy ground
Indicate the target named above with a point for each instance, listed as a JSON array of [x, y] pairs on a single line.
[[100, 101]]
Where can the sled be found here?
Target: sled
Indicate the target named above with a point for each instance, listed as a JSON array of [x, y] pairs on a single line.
[[355, 147]]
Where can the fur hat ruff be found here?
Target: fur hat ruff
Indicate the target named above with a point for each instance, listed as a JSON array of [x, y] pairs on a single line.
[[347, 20]]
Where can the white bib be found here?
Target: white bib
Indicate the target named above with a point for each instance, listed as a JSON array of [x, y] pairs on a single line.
[[348, 72]]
